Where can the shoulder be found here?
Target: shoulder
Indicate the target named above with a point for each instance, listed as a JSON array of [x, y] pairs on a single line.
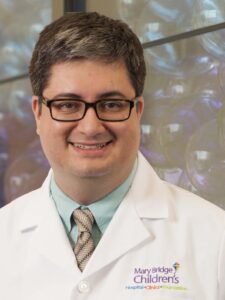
[[14, 211], [19, 203], [27, 200], [26, 206], [181, 204], [189, 205]]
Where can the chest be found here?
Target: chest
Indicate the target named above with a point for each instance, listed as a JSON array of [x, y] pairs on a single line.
[[170, 264]]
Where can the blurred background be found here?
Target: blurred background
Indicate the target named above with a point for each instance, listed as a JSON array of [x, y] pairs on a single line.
[[183, 127]]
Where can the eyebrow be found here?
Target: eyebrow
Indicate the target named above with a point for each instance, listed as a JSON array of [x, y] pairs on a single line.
[[99, 96], [111, 94], [67, 95]]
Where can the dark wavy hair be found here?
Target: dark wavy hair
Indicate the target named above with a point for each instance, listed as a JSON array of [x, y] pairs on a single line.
[[81, 35]]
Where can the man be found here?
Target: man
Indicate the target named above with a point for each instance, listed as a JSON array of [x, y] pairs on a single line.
[[103, 225]]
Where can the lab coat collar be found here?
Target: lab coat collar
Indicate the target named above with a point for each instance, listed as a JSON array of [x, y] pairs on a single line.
[[151, 195], [31, 220], [48, 236]]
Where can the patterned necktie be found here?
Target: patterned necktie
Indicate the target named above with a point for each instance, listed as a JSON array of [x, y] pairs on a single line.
[[85, 245]]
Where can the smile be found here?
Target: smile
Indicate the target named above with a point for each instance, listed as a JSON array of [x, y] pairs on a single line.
[[90, 147]]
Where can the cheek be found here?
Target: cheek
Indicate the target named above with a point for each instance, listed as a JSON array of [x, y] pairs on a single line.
[[52, 129], [53, 137], [130, 135]]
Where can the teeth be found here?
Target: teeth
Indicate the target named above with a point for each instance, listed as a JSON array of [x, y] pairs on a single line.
[[97, 146]]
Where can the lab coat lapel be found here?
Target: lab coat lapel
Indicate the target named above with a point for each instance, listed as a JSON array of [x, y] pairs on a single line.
[[118, 238], [49, 239], [127, 228]]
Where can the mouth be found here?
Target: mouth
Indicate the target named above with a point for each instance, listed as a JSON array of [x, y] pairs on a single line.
[[90, 146]]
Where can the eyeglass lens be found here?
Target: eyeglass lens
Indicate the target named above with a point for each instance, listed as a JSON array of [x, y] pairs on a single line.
[[105, 109]]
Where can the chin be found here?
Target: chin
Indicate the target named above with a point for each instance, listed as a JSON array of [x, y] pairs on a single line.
[[92, 173]]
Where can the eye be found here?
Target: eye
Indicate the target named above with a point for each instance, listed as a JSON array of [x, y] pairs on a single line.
[[112, 105], [67, 106]]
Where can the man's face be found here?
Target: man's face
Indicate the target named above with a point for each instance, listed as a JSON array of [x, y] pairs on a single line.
[[72, 148]]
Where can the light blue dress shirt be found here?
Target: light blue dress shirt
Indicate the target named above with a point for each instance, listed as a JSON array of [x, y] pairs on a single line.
[[102, 210]]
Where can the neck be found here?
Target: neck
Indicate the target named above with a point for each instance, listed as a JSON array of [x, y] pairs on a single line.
[[89, 190]]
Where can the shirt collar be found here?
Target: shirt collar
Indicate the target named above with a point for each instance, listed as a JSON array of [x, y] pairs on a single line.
[[102, 210]]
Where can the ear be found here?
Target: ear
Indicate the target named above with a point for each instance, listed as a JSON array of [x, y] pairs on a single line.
[[36, 111], [140, 106]]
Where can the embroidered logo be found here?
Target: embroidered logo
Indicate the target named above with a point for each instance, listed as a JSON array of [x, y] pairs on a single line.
[[157, 277]]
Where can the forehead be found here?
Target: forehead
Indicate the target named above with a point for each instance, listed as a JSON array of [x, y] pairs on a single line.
[[84, 76], [88, 64]]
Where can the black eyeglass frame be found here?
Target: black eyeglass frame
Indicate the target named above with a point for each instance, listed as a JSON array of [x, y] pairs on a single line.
[[48, 103]]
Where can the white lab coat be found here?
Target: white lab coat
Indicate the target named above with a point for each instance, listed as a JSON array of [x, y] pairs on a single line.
[[156, 226]]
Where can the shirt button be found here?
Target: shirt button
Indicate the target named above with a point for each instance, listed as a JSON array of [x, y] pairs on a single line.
[[83, 287]]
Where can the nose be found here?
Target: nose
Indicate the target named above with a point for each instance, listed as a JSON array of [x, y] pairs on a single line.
[[90, 125]]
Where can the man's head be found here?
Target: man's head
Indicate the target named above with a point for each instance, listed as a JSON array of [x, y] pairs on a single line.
[[88, 71], [91, 36]]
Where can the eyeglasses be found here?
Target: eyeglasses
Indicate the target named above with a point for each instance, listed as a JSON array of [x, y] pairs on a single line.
[[69, 110]]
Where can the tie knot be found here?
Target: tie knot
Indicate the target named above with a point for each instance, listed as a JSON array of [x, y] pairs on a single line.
[[84, 219]]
